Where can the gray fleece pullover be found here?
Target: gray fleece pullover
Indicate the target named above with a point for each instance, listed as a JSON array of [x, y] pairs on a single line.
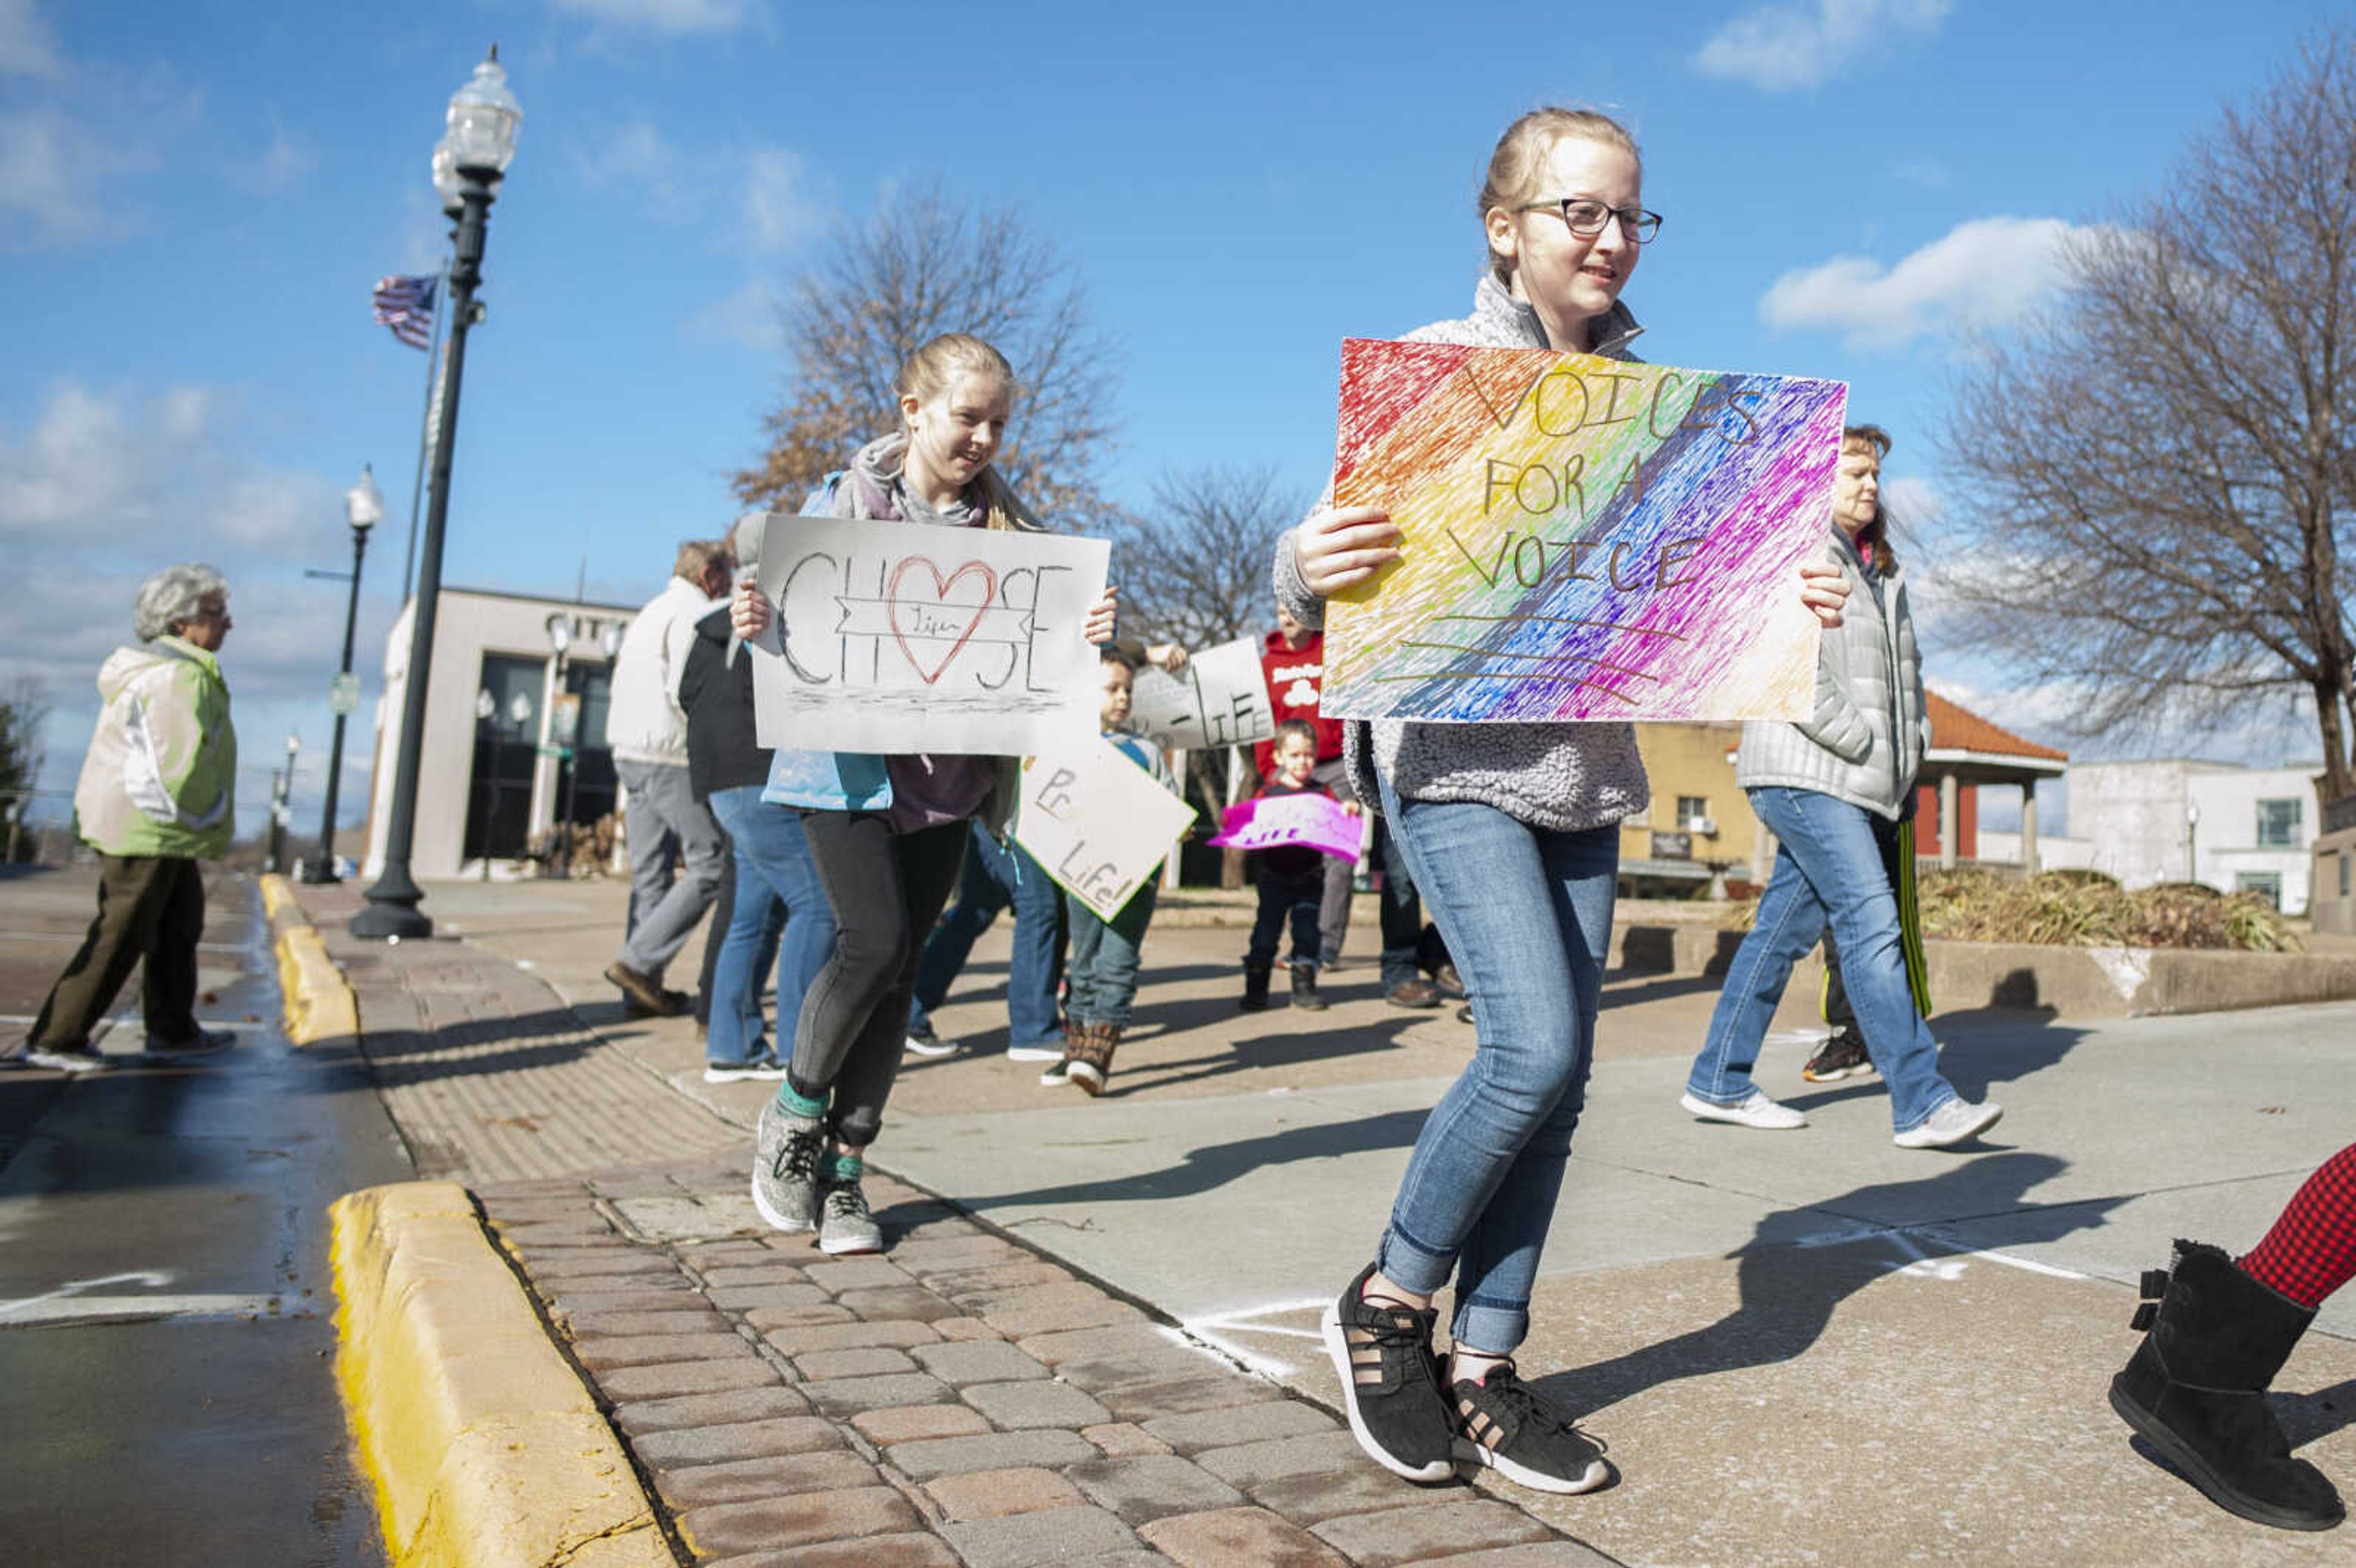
[[1565, 777]]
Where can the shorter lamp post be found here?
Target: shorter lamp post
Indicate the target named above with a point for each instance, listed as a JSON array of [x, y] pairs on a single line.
[[2192, 842], [363, 509], [282, 793]]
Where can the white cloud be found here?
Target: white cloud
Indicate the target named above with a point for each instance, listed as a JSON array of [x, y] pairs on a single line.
[[115, 472], [280, 166], [72, 133], [28, 46], [748, 317], [1985, 272], [654, 174], [674, 17], [777, 214], [1781, 48]]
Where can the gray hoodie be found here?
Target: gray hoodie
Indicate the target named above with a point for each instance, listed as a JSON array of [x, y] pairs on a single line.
[[1565, 777]]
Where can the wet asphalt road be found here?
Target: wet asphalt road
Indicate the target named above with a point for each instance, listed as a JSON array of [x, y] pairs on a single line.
[[166, 1334]]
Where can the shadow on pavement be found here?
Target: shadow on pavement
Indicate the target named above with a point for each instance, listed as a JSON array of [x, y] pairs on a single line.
[[1790, 1276], [1216, 1164]]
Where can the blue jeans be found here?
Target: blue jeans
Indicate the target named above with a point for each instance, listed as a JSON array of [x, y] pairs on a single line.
[[775, 887], [995, 876], [1527, 916], [1829, 869], [1105, 955]]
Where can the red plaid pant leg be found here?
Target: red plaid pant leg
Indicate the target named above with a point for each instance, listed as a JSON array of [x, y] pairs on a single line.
[[2311, 1251]]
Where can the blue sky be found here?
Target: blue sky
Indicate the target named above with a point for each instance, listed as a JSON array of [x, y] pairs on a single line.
[[195, 199]]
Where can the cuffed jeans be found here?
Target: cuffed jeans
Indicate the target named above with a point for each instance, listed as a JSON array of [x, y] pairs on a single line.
[[1829, 868], [886, 889], [1526, 913], [994, 876], [663, 818], [777, 887], [1105, 955]]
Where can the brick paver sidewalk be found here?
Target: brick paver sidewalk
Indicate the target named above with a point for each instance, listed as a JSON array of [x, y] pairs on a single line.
[[960, 1399]]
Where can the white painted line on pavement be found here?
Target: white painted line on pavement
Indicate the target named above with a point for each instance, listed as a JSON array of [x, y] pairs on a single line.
[[1218, 1329], [141, 1309]]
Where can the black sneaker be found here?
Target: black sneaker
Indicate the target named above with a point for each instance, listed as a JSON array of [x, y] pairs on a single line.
[[1503, 1423], [1841, 1056], [1390, 1384]]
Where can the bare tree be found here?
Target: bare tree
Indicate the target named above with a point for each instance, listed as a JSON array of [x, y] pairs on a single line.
[[1195, 569], [924, 264], [2163, 464], [23, 709]]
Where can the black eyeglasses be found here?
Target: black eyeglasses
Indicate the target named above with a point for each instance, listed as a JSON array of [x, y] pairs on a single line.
[[1585, 216]]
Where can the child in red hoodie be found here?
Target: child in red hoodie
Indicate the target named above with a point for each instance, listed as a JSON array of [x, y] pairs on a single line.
[[1290, 879]]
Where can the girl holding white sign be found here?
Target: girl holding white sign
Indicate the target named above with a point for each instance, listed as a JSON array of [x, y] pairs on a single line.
[[886, 834], [1511, 831]]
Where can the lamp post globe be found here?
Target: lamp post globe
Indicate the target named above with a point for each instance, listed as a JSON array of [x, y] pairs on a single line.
[[363, 509], [478, 145]]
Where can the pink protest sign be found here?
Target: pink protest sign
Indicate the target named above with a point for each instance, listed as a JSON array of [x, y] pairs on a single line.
[[1315, 821]]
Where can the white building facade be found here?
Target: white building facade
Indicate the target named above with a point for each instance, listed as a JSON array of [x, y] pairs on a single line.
[[2232, 828], [495, 770]]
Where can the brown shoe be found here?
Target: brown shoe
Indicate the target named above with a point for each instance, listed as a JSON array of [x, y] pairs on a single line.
[[1413, 993], [642, 992], [1091, 1062], [1447, 980]]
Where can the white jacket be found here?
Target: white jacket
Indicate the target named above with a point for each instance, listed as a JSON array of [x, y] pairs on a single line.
[[646, 722]]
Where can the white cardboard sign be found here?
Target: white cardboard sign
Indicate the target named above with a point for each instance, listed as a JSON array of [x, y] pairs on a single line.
[[897, 638], [1098, 822], [1218, 699]]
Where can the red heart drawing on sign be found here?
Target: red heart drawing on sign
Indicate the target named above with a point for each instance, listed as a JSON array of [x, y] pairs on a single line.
[[940, 600]]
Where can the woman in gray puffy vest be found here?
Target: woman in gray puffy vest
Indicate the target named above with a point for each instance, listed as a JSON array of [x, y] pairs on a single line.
[[1833, 789]]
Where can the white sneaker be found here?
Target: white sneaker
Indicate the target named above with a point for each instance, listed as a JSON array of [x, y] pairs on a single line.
[[931, 1044], [1957, 1121], [1054, 1076], [1758, 1111], [764, 1068], [1035, 1052]]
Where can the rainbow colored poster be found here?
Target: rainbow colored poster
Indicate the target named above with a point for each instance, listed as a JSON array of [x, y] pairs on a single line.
[[1581, 537]]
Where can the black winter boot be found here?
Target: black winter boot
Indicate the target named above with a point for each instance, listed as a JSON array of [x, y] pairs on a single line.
[[1256, 987], [2196, 1389], [1304, 988]]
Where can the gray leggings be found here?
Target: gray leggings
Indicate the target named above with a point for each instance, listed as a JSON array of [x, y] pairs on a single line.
[[886, 890]]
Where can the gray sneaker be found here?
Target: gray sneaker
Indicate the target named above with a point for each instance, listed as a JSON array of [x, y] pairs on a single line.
[[786, 1150], [1957, 1121], [848, 1227]]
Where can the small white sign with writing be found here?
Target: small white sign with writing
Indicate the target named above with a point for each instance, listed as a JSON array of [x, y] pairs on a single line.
[[1218, 699], [897, 638], [1098, 822]]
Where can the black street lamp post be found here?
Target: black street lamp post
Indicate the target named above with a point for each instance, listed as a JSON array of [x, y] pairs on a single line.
[[476, 152], [363, 508]]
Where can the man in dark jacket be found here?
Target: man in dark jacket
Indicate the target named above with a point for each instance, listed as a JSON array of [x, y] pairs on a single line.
[[771, 894]]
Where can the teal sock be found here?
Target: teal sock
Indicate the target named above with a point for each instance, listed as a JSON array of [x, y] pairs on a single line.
[[845, 1167], [799, 1104]]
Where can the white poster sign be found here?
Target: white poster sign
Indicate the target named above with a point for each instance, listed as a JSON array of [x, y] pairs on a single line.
[[897, 638], [1098, 822], [1218, 699]]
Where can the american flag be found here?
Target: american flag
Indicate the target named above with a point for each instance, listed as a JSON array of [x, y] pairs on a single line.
[[406, 305]]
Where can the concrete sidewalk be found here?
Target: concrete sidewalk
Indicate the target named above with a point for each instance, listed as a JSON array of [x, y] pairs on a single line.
[[1802, 1347]]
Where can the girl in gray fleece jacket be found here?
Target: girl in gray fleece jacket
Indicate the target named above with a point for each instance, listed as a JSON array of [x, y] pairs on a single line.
[[1511, 831]]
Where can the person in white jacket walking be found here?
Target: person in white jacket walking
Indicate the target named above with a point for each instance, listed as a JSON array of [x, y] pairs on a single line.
[[1831, 789], [647, 731]]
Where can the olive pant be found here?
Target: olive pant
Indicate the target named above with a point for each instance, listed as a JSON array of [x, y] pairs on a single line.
[[150, 907]]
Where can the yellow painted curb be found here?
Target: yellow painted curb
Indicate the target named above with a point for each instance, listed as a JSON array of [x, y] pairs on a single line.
[[319, 1002], [486, 1450]]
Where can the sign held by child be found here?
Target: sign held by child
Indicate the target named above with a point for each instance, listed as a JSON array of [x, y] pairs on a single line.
[[1314, 821], [1219, 698], [900, 640], [1098, 822]]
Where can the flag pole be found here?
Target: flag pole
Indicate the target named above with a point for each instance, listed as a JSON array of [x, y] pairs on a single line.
[[425, 428]]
